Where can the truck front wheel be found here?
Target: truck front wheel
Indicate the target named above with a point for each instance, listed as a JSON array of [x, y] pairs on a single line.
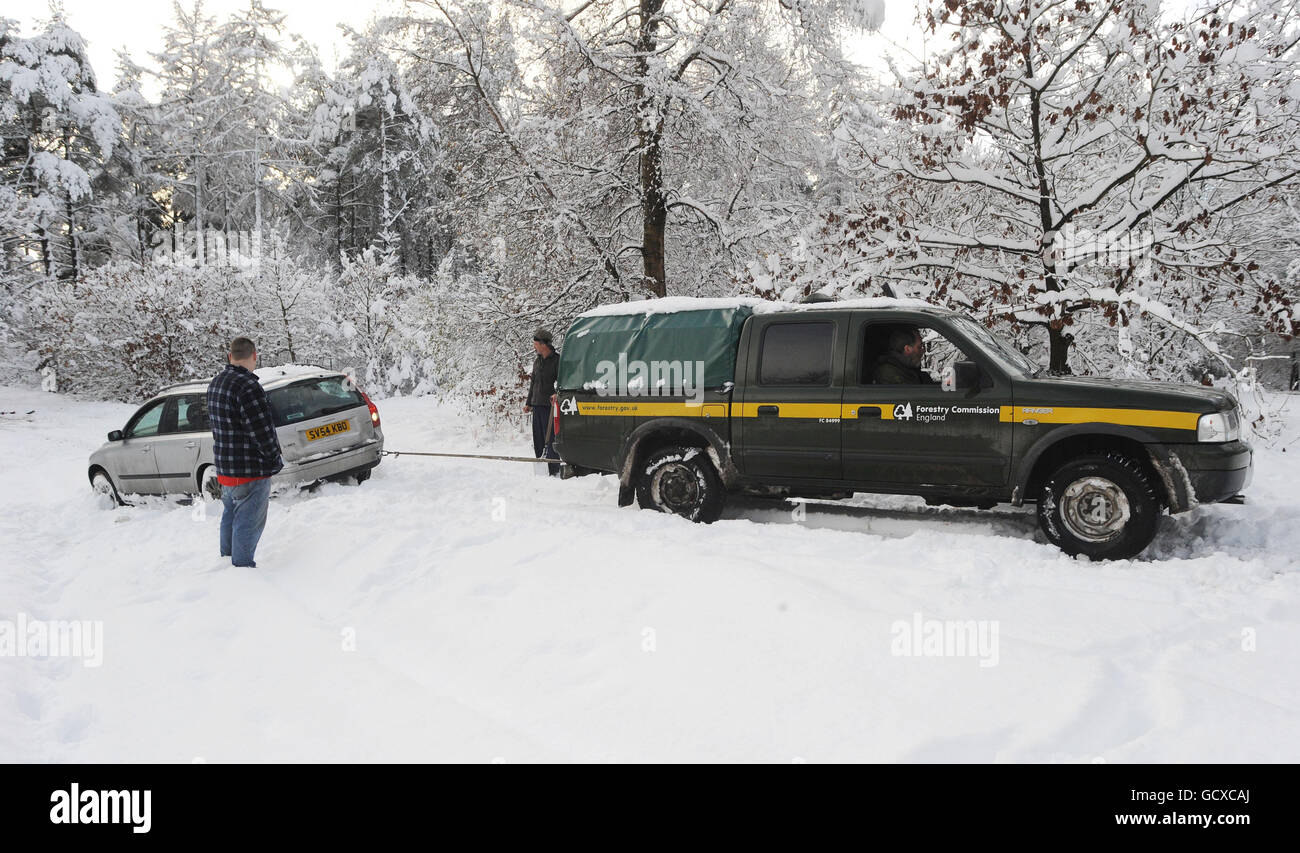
[[681, 480], [1102, 505]]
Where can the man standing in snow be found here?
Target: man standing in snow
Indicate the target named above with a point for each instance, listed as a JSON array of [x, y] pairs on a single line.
[[546, 369], [245, 449]]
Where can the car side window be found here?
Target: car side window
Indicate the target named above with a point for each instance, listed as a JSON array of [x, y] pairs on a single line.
[[146, 421], [796, 354], [192, 413]]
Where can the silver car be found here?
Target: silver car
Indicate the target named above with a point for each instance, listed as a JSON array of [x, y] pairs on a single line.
[[328, 428]]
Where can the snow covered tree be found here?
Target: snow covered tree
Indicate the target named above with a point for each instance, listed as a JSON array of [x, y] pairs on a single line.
[[1100, 159], [142, 213], [612, 150], [378, 152], [58, 130], [219, 120]]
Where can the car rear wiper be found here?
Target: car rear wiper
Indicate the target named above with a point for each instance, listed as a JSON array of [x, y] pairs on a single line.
[[335, 409]]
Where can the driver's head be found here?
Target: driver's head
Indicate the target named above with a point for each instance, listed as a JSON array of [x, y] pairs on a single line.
[[906, 342]]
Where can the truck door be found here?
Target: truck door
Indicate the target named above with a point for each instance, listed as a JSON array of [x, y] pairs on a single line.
[[787, 419], [902, 432]]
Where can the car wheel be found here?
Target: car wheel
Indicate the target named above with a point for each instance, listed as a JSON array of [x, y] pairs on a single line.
[[209, 486], [1103, 506], [105, 491], [682, 481]]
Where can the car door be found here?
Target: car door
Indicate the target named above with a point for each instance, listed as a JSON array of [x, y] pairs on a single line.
[[788, 418], [134, 468], [181, 435], [920, 435]]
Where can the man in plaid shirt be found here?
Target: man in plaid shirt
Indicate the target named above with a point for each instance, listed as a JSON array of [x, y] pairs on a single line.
[[245, 449]]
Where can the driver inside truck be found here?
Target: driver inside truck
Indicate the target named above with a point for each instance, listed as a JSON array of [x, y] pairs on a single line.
[[900, 363]]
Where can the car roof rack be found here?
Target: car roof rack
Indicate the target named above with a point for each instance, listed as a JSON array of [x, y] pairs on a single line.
[[180, 385]]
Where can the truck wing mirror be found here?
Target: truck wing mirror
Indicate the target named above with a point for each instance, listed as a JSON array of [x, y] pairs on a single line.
[[115, 435], [961, 376]]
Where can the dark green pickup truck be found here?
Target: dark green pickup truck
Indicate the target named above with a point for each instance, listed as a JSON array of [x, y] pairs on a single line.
[[687, 401]]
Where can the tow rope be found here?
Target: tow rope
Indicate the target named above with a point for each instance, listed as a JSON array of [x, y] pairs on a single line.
[[473, 456]]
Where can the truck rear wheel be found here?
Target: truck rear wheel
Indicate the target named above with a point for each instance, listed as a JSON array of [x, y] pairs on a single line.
[[1102, 505], [682, 481]]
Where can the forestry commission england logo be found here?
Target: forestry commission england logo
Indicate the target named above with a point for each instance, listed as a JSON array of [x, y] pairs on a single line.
[[569, 406], [903, 412]]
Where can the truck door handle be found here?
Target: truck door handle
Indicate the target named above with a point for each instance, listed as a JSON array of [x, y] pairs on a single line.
[[191, 444], [768, 410], [146, 449], [868, 411]]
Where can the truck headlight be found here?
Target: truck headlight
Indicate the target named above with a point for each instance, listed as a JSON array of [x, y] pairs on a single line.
[[1220, 426]]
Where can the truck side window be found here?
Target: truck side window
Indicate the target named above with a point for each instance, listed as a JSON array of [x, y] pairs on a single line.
[[938, 353], [796, 354]]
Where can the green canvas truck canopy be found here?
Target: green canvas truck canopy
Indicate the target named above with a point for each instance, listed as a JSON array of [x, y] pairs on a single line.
[[710, 335]]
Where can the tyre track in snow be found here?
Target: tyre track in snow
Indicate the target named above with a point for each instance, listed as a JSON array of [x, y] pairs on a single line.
[[777, 627]]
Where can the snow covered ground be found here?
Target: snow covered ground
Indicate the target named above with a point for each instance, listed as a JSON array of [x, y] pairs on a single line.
[[459, 610]]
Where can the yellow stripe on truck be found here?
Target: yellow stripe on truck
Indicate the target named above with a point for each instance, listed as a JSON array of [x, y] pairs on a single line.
[[849, 411], [1155, 418], [679, 409], [659, 409], [788, 410], [653, 410]]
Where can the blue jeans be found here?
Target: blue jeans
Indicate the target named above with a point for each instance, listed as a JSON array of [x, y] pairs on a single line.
[[242, 520]]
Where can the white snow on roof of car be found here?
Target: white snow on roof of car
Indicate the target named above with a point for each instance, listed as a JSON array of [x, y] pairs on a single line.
[[265, 375], [674, 304], [285, 373]]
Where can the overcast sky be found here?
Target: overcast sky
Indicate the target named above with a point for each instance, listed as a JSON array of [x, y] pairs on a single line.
[[137, 25], [108, 25]]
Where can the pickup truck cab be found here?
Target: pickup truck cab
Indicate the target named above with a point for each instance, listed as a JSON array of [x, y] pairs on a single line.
[[688, 401]]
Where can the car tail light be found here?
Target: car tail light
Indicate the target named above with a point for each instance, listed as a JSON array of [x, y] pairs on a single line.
[[555, 417], [374, 412]]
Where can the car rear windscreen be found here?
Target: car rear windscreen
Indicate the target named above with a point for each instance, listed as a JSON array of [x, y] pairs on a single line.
[[313, 398]]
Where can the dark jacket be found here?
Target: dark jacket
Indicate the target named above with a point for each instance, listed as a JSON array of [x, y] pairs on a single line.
[[890, 369], [243, 428], [545, 372]]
